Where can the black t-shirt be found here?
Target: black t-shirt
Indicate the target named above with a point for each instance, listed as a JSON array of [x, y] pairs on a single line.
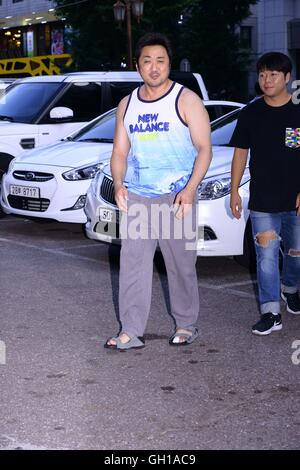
[[273, 136]]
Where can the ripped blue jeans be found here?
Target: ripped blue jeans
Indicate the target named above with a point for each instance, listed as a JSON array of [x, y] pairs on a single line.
[[285, 227]]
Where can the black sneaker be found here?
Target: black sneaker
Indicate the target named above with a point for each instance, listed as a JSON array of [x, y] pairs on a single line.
[[267, 324], [292, 302]]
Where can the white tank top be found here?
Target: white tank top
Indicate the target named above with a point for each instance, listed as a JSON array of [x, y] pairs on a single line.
[[162, 153]]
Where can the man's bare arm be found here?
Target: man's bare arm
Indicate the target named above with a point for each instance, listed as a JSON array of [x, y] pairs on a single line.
[[119, 156], [195, 115], [238, 166]]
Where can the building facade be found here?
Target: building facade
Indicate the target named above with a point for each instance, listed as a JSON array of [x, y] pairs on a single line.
[[30, 28], [273, 26]]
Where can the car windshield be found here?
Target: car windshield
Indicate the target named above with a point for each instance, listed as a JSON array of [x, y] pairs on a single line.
[[100, 130], [222, 129], [103, 129], [24, 102]]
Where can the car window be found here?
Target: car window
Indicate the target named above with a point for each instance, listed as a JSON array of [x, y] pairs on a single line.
[[187, 79], [23, 102], [83, 98], [103, 128], [212, 112], [222, 129], [119, 90], [225, 108]]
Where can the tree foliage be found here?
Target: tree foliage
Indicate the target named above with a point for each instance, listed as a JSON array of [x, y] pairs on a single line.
[[203, 31], [210, 41]]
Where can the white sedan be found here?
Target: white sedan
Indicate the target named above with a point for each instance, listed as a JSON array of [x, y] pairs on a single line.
[[219, 234], [51, 182]]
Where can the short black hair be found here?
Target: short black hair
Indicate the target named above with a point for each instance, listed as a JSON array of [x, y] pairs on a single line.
[[153, 39], [274, 61]]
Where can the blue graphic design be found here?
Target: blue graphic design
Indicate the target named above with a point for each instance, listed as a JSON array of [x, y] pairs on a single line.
[[162, 154], [145, 124]]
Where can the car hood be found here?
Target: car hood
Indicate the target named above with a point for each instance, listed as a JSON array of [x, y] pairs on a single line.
[[221, 162], [66, 154]]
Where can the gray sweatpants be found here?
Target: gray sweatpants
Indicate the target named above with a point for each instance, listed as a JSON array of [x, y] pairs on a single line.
[[150, 221]]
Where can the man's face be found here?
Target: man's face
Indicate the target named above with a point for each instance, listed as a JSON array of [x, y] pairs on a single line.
[[272, 82], [154, 65]]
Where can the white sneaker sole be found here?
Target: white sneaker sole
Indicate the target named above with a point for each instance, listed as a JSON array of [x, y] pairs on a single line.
[[287, 307], [267, 332]]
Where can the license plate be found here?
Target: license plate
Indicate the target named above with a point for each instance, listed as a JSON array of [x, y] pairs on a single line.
[[106, 215], [25, 191]]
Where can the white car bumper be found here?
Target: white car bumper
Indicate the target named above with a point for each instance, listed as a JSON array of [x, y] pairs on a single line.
[[219, 234], [55, 200]]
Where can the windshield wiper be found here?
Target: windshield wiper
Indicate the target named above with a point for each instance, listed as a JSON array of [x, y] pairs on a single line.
[[70, 139], [5, 118], [101, 140]]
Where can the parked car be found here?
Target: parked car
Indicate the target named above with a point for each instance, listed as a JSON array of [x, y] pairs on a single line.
[[219, 234], [36, 111], [52, 182]]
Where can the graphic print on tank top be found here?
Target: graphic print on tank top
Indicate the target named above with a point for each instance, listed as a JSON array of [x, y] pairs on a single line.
[[162, 154]]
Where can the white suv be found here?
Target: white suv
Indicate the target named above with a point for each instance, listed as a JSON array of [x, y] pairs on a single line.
[[37, 111]]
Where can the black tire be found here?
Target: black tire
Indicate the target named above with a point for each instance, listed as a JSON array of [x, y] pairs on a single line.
[[84, 231], [5, 160], [2, 213], [248, 258]]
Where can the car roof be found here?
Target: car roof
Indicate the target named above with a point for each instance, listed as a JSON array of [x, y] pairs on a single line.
[[222, 102], [42, 79], [84, 76]]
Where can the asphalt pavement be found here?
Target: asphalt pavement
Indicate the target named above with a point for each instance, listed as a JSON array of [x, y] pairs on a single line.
[[60, 389]]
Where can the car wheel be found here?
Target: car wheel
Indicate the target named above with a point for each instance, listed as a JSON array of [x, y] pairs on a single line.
[[5, 160], [248, 258], [2, 213], [84, 230]]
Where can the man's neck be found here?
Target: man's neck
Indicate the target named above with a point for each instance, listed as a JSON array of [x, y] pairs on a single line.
[[150, 93], [279, 100]]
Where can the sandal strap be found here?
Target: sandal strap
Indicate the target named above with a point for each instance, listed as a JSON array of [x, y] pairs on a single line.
[[134, 342], [190, 335]]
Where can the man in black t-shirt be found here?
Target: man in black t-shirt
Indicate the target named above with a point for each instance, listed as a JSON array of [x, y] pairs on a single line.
[[270, 128]]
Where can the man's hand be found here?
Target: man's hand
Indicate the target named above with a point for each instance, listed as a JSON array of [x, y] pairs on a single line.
[[236, 205], [121, 197], [298, 204], [183, 202]]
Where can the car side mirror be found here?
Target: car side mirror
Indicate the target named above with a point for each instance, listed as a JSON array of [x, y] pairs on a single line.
[[61, 113]]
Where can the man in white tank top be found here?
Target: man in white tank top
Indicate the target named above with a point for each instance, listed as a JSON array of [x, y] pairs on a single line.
[[162, 150]]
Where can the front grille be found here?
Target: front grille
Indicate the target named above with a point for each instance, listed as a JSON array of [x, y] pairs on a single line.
[[32, 176], [107, 191], [28, 204]]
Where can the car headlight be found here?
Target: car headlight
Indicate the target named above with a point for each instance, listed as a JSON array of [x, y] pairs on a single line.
[[218, 186], [11, 165], [83, 173]]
